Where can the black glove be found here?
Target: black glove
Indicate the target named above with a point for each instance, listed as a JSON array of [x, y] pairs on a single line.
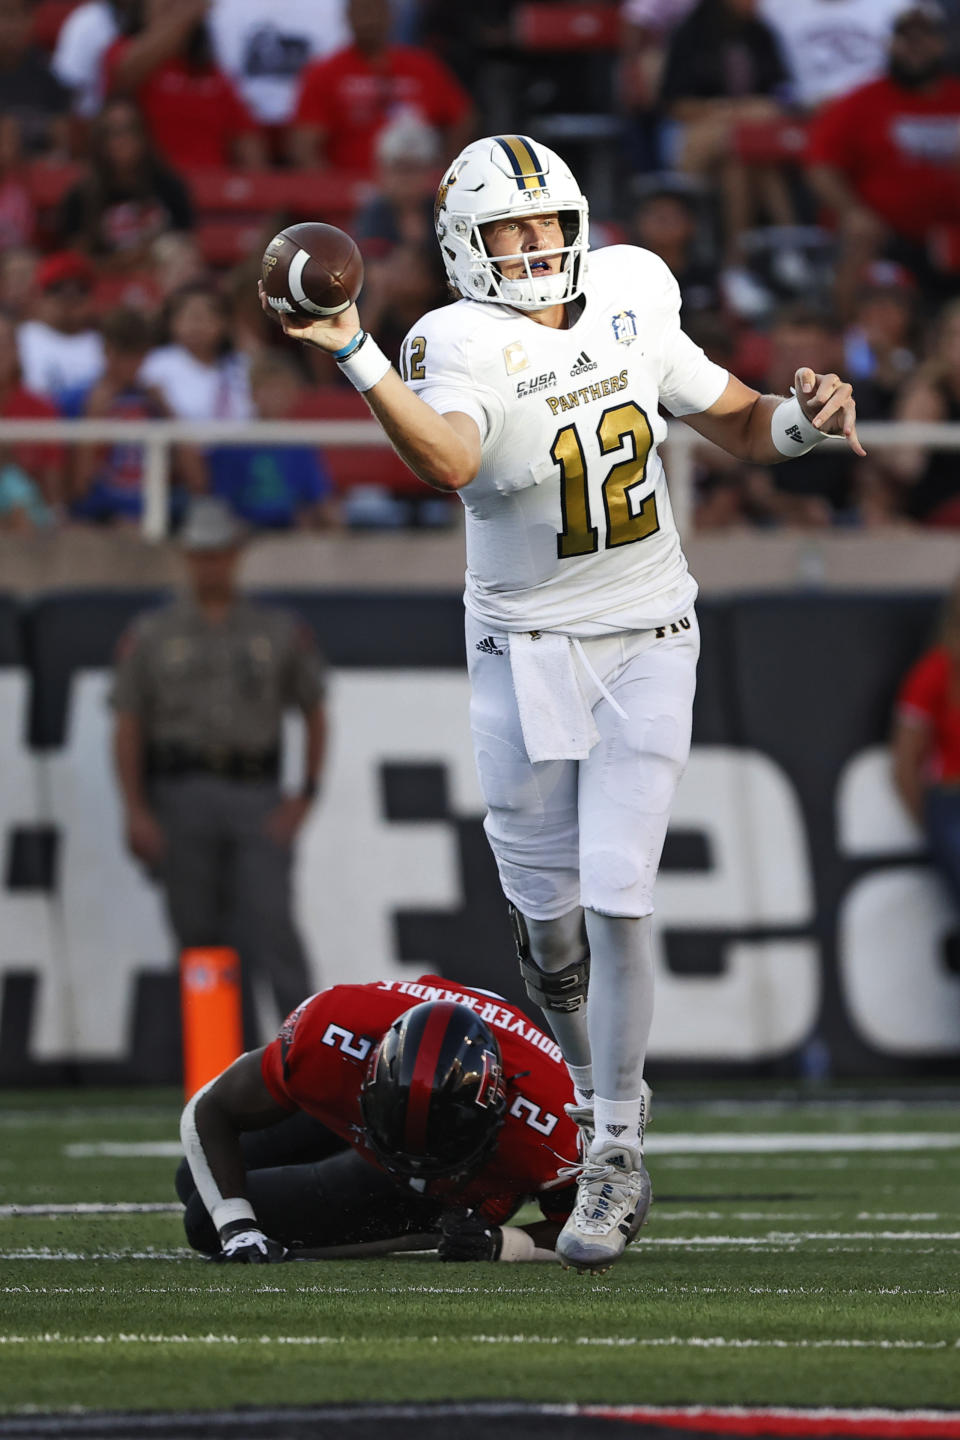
[[465, 1236], [244, 1243]]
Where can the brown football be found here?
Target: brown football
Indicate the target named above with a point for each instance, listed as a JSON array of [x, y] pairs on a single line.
[[311, 270]]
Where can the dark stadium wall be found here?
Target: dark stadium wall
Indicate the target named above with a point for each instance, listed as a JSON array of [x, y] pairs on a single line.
[[800, 928]]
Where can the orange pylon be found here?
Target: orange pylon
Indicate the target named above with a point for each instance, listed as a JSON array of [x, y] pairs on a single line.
[[211, 1013]]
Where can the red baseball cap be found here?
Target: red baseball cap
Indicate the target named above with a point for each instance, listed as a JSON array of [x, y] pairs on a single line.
[[65, 266]]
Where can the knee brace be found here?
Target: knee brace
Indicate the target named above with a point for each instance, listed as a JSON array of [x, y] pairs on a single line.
[[564, 990]]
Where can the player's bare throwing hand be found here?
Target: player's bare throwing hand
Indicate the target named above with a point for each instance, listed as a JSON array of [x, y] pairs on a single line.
[[537, 396]]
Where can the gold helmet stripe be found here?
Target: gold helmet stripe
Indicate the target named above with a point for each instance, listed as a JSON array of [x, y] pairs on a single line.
[[524, 162]]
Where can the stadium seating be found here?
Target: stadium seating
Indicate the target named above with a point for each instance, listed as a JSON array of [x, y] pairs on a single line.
[[368, 465], [233, 207], [48, 16], [771, 142], [566, 27]]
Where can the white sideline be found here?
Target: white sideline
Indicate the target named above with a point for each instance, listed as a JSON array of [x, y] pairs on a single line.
[[82, 1207], [701, 1342], [680, 1144], [663, 1214], [771, 1243], [671, 1290]]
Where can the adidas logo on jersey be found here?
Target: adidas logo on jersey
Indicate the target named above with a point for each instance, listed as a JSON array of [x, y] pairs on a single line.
[[488, 646], [793, 433], [583, 363]]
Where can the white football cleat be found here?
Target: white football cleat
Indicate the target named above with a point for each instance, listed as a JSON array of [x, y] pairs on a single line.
[[613, 1197]]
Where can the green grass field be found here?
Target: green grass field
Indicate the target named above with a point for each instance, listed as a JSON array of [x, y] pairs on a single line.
[[770, 1272]]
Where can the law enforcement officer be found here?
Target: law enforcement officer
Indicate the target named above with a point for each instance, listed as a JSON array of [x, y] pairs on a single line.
[[200, 692]]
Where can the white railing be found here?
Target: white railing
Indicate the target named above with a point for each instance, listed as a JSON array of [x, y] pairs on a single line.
[[158, 436]]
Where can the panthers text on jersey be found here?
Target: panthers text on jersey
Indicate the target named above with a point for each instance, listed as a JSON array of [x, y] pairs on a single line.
[[569, 526], [319, 1059]]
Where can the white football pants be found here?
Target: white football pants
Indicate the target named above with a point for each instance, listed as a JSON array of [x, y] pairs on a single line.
[[586, 832]]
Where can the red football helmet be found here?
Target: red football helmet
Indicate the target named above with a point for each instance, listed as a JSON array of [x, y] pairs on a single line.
[[434, 1096]]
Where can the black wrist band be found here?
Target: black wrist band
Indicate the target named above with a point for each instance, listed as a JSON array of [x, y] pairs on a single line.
[[236, 1227]]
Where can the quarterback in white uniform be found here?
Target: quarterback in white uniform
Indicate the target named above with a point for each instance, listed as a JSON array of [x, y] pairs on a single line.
[[536, 396]]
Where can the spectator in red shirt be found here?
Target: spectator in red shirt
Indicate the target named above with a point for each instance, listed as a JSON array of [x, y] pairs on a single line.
[[348, 98], [884, 159], [193, 113], [43, 463], [926, 745]]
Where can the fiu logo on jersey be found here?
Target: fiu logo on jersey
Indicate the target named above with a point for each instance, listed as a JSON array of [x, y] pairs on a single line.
[[624, 327], [515, 357], [594, 391], [536, 384]]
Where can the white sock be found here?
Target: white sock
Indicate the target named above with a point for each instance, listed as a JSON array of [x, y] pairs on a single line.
[[616, 1122], [582, 1077]]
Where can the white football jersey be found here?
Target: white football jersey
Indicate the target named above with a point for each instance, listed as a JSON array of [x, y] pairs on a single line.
[[569, 526]]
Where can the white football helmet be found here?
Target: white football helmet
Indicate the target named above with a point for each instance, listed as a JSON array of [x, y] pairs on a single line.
[[506, 177]]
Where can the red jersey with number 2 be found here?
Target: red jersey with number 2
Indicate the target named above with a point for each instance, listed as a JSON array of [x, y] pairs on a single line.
[[319, 1059]]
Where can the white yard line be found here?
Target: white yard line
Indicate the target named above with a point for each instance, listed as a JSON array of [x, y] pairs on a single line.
[[678, 1144], [82, 1207], [125, 1150], [797, 1143], [780, 1291], [696, 1342], [664, 1213], [43, 1252], [770, 1243]]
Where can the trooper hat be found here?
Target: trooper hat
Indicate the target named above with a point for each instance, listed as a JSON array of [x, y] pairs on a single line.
[[210, 524]]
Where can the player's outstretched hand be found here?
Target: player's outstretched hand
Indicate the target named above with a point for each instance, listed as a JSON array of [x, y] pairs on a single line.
[[331, 334], [828, 403], [465, 1236], [250, 1247]]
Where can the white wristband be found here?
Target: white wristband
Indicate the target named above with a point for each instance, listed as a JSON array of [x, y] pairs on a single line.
[[791, 431], [365, 366], [226, 1211], [517, 1244]]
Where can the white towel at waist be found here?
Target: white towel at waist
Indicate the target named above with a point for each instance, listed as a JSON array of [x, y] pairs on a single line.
[[555, 715]]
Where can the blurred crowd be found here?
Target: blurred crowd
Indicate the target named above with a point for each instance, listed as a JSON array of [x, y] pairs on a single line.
[[795, 162]]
